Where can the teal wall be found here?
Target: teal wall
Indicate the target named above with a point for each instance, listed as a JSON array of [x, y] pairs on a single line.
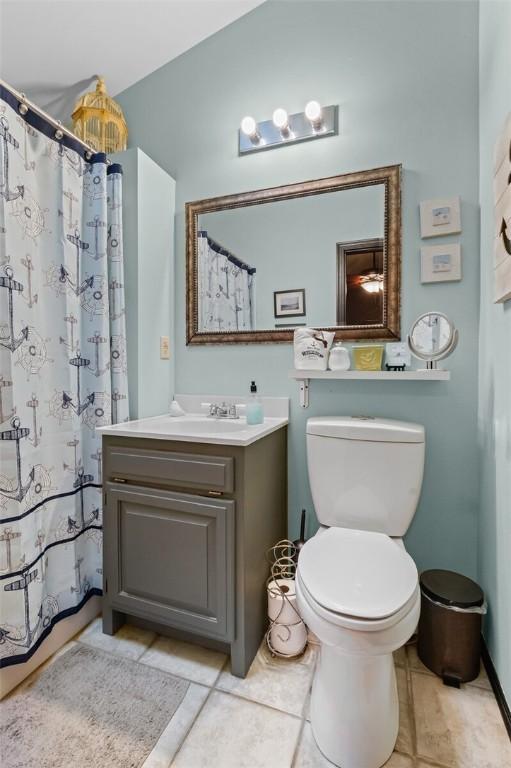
[[495, 346], [405, 77], [148, 242]]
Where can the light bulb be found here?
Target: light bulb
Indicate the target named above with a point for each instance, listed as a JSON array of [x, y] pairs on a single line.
[[313, 111], [249, 126], [280, 119], [371, 286]]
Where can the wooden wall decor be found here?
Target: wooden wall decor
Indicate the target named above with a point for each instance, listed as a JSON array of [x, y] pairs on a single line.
[[502, 196]]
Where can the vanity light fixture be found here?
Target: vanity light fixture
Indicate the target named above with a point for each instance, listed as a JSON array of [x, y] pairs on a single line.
[[316, 122]]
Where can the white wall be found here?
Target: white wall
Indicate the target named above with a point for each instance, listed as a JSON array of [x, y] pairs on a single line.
[[148, 239], [494, 412]]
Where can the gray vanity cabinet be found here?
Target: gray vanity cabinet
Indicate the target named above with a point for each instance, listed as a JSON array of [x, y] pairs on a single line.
[[186, 529]]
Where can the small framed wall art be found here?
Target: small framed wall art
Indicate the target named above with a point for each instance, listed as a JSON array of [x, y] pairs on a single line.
[[440, 263], [397, 356], [440, 217], [289, 303]]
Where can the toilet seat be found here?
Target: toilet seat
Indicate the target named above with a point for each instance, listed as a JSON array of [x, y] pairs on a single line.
[[357, 576], [353, 623]]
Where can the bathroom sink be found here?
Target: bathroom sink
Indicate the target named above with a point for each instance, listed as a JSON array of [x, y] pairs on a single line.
[[198, 425], [197, 428]]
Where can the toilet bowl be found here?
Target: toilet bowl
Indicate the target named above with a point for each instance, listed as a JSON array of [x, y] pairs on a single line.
[[357, 587], [354, 704]]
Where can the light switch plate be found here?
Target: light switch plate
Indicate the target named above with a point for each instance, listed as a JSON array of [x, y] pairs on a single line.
[[164, 348]]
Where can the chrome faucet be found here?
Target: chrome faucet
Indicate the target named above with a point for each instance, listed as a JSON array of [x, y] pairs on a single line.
[[223, 411]]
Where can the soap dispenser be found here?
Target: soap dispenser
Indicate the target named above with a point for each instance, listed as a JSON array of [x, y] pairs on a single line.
[[254, 407]]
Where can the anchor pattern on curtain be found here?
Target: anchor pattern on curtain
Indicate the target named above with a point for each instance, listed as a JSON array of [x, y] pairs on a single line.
[[226, 288], [62, 373]]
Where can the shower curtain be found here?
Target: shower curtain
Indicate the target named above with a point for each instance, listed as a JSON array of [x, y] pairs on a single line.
[[226, 289], [62, 371]]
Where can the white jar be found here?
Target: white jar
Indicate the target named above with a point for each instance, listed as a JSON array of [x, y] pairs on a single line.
[[339, 359]]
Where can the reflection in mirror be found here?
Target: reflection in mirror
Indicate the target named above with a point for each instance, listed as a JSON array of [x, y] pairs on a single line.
[[360, 282], [323, 253], [226, 288], [246, 255]]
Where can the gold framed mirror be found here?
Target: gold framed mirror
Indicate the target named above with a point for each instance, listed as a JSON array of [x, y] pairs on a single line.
[[316, 253]]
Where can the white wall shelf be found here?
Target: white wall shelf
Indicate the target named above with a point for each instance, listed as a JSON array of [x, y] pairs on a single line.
[[304, 377]]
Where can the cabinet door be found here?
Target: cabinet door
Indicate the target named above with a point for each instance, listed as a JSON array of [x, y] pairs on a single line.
[[169, 557]]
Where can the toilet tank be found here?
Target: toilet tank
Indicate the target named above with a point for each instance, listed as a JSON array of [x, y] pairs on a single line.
[[365, 473]]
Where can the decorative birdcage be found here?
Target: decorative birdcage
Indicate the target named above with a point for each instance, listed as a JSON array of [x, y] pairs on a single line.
[[99, 121]]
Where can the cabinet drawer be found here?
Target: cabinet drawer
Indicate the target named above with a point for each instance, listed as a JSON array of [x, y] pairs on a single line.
[[186, 470], [169, 557]]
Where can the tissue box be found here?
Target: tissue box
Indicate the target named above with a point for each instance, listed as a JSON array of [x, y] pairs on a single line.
[[368, 357]]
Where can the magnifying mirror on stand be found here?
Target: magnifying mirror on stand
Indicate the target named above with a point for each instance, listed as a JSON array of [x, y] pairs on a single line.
[[432, 337]]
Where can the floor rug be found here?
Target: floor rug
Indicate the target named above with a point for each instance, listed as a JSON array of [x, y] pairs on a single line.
[[87, 709]]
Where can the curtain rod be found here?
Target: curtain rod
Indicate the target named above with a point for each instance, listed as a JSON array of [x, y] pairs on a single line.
[[58, 125], [224, 252]]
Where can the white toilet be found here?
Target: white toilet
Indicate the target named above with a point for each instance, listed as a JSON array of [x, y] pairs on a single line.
[[357, 587]]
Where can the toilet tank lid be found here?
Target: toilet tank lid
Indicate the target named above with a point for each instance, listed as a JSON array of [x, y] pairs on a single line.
[[366, 428]]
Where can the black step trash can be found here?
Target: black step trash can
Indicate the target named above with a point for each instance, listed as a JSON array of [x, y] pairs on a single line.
[[449, 642]]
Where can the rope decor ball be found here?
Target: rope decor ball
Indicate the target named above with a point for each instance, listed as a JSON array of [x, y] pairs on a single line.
[[99, 121]]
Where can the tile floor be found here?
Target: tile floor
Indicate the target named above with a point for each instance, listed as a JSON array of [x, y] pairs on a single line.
[[263, 721]]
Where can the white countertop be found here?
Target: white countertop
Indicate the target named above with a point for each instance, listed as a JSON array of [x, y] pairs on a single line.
[[196, 428]]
